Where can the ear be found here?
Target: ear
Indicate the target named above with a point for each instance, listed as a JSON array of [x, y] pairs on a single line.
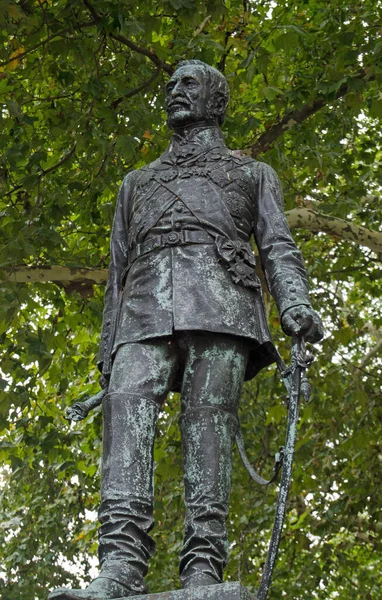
[[216, 106], [219, 104]]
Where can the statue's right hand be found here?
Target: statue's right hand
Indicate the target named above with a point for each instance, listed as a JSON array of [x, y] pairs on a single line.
[[303, 321]]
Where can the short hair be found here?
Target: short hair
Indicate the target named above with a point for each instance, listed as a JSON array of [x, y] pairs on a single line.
[[218, 85]]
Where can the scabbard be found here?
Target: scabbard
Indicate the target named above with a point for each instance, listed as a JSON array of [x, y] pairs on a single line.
[[297, 371]]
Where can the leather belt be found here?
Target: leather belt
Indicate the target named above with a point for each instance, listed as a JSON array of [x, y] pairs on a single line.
[[166, 240], [173, 238]]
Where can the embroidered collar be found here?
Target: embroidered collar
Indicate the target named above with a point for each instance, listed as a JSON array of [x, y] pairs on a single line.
[[192, 144]]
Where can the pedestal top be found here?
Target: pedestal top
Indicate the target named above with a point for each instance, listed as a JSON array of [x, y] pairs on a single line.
[[224, 591]]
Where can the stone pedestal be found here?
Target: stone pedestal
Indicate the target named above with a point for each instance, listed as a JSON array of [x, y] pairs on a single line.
[[224, 591]]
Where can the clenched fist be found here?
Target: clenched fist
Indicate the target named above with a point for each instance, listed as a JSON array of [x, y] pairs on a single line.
[[303, 321]]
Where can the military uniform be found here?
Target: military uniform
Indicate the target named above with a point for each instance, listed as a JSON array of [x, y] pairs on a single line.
[[184, 311], [198, 186]]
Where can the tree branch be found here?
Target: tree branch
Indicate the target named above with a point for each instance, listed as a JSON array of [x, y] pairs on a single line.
[[58, 273], [199, 30], [42, 43], [120, 38], [71, 278], [150, 54], [299, 115], [60, 162], [375, 351], [45, 172], [140, 88], [305, 218], [32, 48]]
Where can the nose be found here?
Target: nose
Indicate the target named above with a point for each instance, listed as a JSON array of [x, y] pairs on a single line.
[[177, 89]]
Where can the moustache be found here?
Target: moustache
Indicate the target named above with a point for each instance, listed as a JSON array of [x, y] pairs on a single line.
[[178, 102]]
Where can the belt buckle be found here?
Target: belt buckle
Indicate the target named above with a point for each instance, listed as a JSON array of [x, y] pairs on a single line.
[[172, 238]]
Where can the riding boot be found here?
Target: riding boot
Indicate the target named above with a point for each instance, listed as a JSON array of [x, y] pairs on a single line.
[[207, 437], [126, 510]]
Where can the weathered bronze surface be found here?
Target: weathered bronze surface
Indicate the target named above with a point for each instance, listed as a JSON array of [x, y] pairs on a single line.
[[184, 311], [224, 591]]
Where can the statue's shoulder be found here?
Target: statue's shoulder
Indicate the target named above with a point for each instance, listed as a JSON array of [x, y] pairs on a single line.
[[241, 160], [241, 157], [240, 165], [130, 178], [139, 176], [253, 167], [267, 174], [151, 166]]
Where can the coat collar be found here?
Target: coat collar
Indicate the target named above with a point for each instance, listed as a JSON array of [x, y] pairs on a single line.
[[192, 143]]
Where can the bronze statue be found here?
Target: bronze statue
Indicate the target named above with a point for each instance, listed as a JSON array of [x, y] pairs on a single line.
[[184, 312]]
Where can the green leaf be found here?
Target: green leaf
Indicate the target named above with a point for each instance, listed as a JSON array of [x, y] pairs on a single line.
[[375, 110]]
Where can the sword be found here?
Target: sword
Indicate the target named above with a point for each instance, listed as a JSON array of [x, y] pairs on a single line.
[[296, 383]]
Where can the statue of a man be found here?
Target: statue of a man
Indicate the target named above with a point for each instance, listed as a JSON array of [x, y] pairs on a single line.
[[184, 312]]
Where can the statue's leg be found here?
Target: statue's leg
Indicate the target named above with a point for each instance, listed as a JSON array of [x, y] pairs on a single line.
[[141, 377], [125, 513], [213, 377]]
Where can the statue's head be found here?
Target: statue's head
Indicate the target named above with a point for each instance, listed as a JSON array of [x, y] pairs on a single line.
[[196, 93]]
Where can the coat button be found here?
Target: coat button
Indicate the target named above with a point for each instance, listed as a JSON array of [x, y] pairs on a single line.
[[172, 237], [179, 207]]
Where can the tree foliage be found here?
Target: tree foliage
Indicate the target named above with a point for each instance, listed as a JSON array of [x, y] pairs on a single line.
[[82, 90]]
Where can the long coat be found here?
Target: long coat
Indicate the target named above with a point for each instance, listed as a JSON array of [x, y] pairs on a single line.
[[158, 284]]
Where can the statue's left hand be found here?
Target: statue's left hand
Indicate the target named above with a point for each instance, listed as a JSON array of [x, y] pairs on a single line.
[[303, 321], [79, 410]]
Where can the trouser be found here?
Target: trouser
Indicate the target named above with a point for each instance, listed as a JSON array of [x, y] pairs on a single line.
[[211, 368]]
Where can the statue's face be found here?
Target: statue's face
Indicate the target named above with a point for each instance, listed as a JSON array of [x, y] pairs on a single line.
[[187, 96]]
